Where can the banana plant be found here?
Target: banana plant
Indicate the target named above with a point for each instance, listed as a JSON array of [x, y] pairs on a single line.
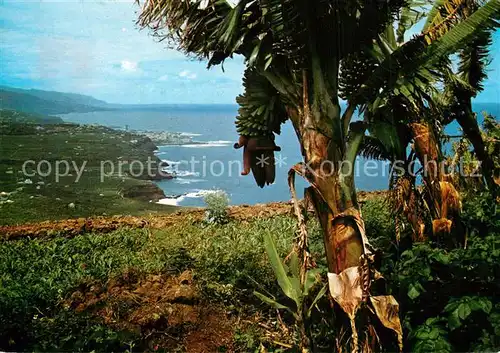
[[415, 107], [296, 289], [298, 48]]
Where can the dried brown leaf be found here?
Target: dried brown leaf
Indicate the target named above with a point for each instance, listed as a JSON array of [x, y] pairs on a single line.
[[387, 310], [345, 289]]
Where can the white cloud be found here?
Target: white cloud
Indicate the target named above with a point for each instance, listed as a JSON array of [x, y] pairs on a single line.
[[42, 50], [187, 74], [129, 65]]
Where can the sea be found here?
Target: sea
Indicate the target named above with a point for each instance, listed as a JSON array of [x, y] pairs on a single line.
[[211, 163]]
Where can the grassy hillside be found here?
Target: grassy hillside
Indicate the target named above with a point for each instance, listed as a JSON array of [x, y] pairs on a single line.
[[177, 284], [8, 117], [184, 288], [36, 197]]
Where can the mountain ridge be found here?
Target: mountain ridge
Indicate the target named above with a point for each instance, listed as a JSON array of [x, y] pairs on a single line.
[[56, 96], [48, 102]]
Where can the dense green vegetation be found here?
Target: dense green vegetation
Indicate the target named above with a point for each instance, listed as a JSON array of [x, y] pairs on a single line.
[[36, 197], [13, 117], [449, 297], [33, 317]]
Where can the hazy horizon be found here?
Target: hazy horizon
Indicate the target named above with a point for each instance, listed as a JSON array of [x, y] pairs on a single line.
[[175, 104]]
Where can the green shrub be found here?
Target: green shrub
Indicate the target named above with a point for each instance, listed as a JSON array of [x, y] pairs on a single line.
[[217, 203], [449, 298], [481, 213], [377, 217]]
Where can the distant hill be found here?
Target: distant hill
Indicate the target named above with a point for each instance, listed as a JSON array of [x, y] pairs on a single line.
[[67, 98], [12, 116], [48, 102]]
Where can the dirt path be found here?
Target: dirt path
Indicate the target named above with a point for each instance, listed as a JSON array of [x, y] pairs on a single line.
[[73, 227]]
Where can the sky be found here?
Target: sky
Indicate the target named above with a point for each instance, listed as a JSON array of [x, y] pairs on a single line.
[[95, 48]]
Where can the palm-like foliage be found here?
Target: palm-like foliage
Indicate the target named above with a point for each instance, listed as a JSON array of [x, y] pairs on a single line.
[[302, 56], [465, 84], [404, 66], [415, 98]]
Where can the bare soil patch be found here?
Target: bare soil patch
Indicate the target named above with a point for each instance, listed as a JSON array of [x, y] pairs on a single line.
[[167, 310]]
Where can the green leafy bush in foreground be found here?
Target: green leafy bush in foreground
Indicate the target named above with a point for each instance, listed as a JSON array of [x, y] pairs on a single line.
[[449, 297]]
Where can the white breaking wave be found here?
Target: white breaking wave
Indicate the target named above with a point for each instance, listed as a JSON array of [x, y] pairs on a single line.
[[176, 201], [180, 173], [169, 202], [200, 193], [198, 144], [188, 181], [189, 134], [171, 162], [225, 142], [219, 143]]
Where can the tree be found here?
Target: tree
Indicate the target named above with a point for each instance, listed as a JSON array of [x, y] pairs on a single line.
[[465, 84], [419, 108], [299, 57]]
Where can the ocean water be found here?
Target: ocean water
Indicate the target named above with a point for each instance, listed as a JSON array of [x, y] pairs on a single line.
[[213, 163]]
